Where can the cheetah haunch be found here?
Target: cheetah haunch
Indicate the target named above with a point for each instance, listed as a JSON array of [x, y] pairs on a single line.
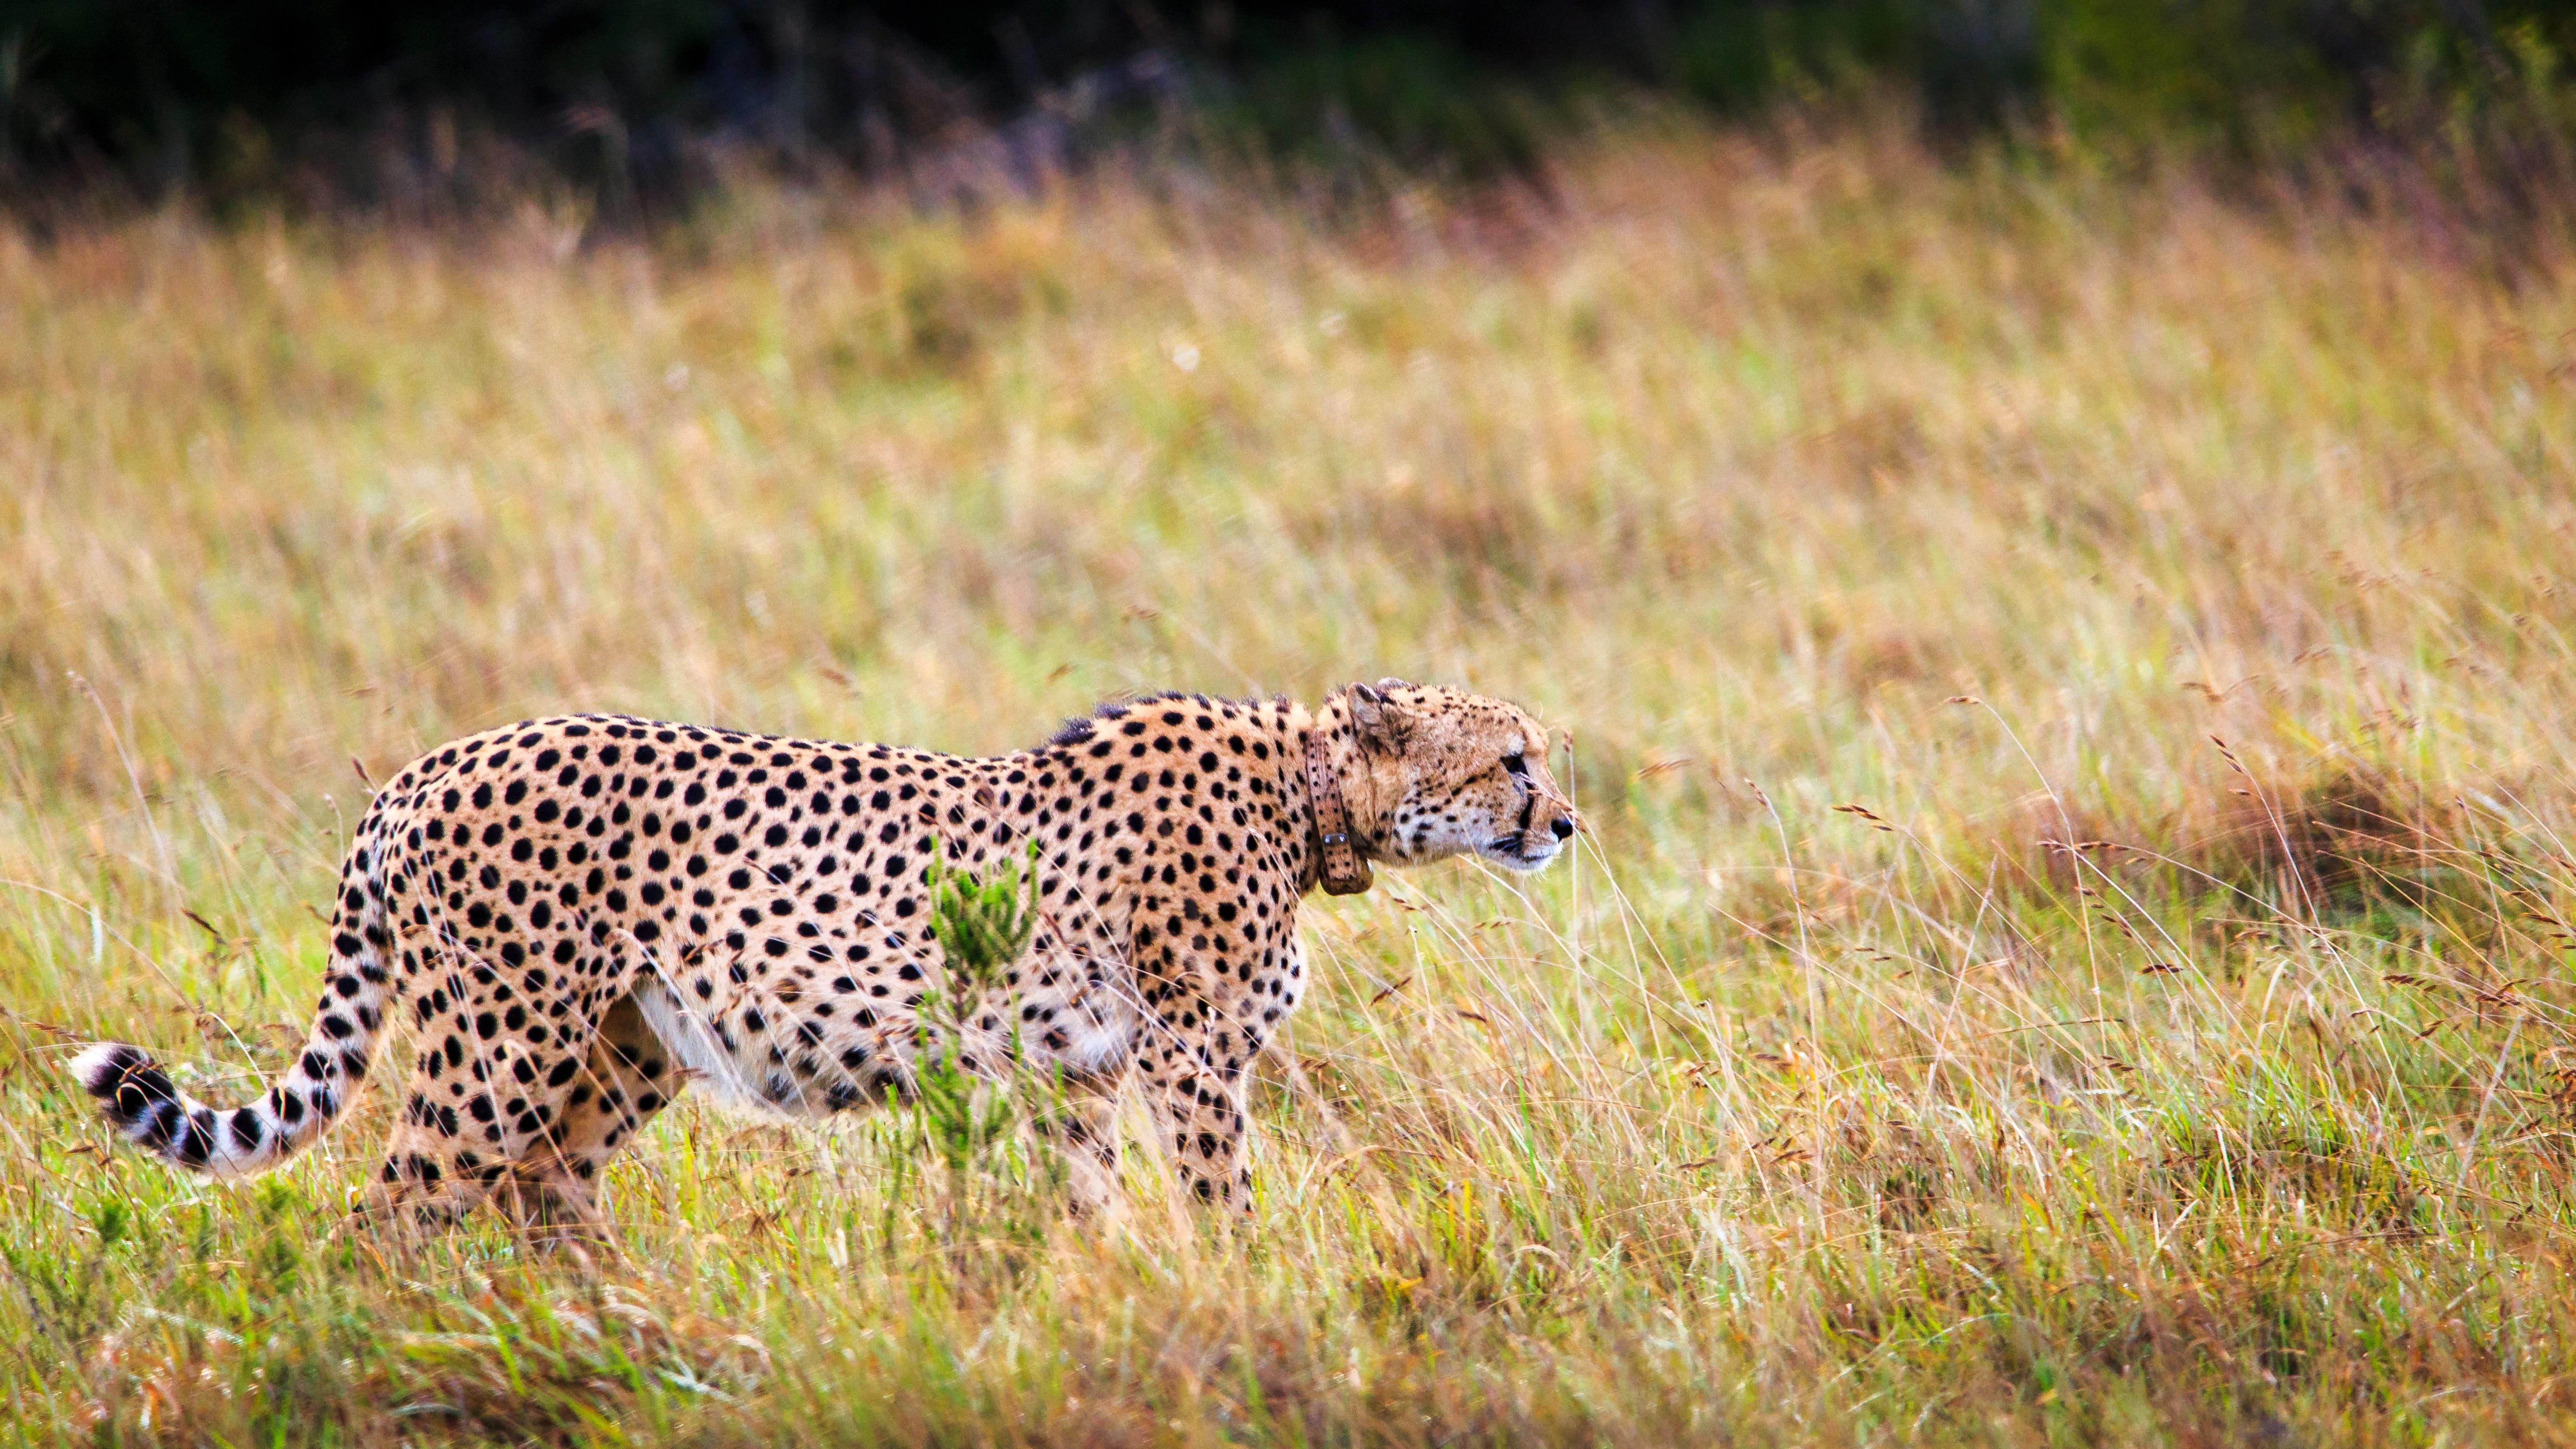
[[571, 912]]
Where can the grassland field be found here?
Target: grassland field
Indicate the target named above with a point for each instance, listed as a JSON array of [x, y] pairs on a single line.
[[2067, 669]]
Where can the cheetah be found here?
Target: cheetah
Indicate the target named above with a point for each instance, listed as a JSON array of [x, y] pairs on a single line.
[[576, 916]]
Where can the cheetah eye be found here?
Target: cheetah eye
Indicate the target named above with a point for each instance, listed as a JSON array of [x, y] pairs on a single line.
[[1518, 765]]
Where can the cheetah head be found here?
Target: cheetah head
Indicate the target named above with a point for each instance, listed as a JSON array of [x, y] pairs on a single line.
[[1446, 773]]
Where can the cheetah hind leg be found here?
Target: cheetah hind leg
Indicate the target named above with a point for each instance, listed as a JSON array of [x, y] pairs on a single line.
[[440, 1163], [628, 1077]]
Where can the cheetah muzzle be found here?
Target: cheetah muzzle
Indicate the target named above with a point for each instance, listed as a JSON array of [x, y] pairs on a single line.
[[575, 917]]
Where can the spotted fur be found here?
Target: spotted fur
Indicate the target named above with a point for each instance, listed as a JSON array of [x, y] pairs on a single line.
[[575, 916]]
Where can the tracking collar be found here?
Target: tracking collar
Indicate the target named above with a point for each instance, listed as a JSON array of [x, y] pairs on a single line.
[[1339, 867]]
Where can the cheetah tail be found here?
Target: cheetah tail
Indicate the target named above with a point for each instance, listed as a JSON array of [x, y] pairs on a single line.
[[140, 1099]]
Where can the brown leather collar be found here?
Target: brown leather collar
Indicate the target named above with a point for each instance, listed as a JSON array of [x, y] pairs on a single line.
[[1338, 866]]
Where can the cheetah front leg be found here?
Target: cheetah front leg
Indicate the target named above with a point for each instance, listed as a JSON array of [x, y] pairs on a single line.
[[1197, 1088], [1194, 1051]]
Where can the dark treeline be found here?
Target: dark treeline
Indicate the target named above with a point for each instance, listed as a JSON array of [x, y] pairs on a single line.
[[635, 96]]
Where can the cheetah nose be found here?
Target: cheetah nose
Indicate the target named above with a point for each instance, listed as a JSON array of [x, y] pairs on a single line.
[[1562, 827]]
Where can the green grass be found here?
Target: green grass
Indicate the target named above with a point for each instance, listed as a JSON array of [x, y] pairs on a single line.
[[2174, 1045]]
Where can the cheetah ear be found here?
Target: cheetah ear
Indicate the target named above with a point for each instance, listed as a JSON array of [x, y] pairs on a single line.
[[1383, 724]]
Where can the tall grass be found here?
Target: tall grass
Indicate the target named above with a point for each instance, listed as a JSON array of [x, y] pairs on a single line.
[[2069, 674]]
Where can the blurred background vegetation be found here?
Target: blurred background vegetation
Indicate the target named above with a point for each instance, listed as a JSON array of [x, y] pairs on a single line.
[[644, 103]]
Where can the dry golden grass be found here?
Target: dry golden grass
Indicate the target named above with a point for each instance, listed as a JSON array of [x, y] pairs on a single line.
[[2174, 1043]]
